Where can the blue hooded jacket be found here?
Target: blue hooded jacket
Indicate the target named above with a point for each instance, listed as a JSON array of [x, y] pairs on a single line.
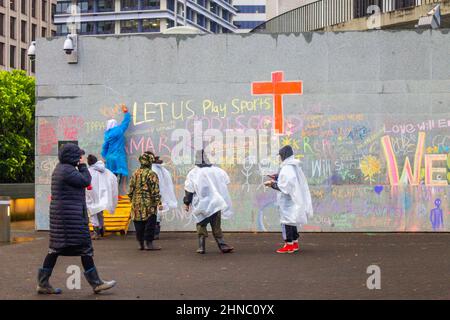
[[113, 150]]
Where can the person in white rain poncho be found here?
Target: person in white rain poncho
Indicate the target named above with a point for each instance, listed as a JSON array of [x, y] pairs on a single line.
[[101, 195], [293, 198], [207, 195], [167, 191]]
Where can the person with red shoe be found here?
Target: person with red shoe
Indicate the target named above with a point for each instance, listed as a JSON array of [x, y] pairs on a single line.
[[293, 198]]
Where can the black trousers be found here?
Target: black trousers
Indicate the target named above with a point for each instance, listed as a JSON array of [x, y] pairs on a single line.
[[51, 258], [145, 230], [291, 233]]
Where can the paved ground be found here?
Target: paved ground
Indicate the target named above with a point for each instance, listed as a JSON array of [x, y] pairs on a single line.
[[331, 266]]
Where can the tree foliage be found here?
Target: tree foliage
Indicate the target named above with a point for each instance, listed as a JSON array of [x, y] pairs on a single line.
[[17, 107]]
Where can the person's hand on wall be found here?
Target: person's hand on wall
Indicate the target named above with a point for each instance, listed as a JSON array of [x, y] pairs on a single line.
[[124, 108]]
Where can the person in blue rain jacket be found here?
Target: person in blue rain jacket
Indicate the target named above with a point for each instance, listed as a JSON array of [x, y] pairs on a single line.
[[113, 150]]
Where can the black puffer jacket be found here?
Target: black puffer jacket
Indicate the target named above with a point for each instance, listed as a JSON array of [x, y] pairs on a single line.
[[69, 222]]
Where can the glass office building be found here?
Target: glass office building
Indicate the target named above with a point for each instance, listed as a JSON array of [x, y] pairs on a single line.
[[144, 16]]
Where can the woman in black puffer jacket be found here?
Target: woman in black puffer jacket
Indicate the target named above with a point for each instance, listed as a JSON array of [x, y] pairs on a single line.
[[69, 222]]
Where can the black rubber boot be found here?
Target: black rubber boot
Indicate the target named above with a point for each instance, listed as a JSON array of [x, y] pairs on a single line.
[[141, 245], [149, 246], [201, 245], [44, 286], [223, 246], [102, 232], [96, 283]]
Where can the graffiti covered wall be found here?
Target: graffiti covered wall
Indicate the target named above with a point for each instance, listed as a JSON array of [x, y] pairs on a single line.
[[367, 113]]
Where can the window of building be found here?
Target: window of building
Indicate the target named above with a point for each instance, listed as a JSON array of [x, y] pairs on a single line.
[[214, 8], [190, 14], [247, 24], [214, 27], [12, 5], [23, 59], [151, 25], [62, 29], [44, 10], [43, 32], [23, 31], [2, 54], [201, 20], [23, 6], [401, 4], [2, 3], [33, 32], [251, 9], [106, 27], [170, 4], [12, 28], [226, 15], [63, 6], [53, 33], [202, 3], [53, 12], [86, 5], [12, 56], [87, 28], [129, 26], [105, 5], [33, 8], [129, 4], [2, 24], [150, 4]]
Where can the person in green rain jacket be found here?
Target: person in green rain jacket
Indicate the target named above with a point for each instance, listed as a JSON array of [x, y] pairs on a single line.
[[145, 199]]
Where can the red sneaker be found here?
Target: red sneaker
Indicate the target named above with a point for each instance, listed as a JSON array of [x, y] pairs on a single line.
[[288, 248], [295, 246]]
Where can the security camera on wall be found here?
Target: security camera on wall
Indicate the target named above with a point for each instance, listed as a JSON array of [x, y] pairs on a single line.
[[32, 51], [71, 48]]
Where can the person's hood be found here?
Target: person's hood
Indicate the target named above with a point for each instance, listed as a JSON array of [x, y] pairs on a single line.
[[290, 161], [286, 152], [111, 123], [201, 160], [70, 153], [98, 166], [146, 160]]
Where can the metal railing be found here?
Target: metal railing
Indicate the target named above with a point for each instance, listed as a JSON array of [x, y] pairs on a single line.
[[323, 13]]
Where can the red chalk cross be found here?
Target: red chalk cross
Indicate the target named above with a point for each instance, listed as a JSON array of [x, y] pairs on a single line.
[[277, 88]]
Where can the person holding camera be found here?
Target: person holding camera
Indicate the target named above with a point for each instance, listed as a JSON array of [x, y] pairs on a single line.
[[69, 221]]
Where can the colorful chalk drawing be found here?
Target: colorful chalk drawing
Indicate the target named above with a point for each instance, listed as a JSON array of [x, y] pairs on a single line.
[[436, 216], [366, 172]]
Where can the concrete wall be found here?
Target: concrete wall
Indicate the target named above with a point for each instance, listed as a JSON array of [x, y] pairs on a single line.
[[370, 101]]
